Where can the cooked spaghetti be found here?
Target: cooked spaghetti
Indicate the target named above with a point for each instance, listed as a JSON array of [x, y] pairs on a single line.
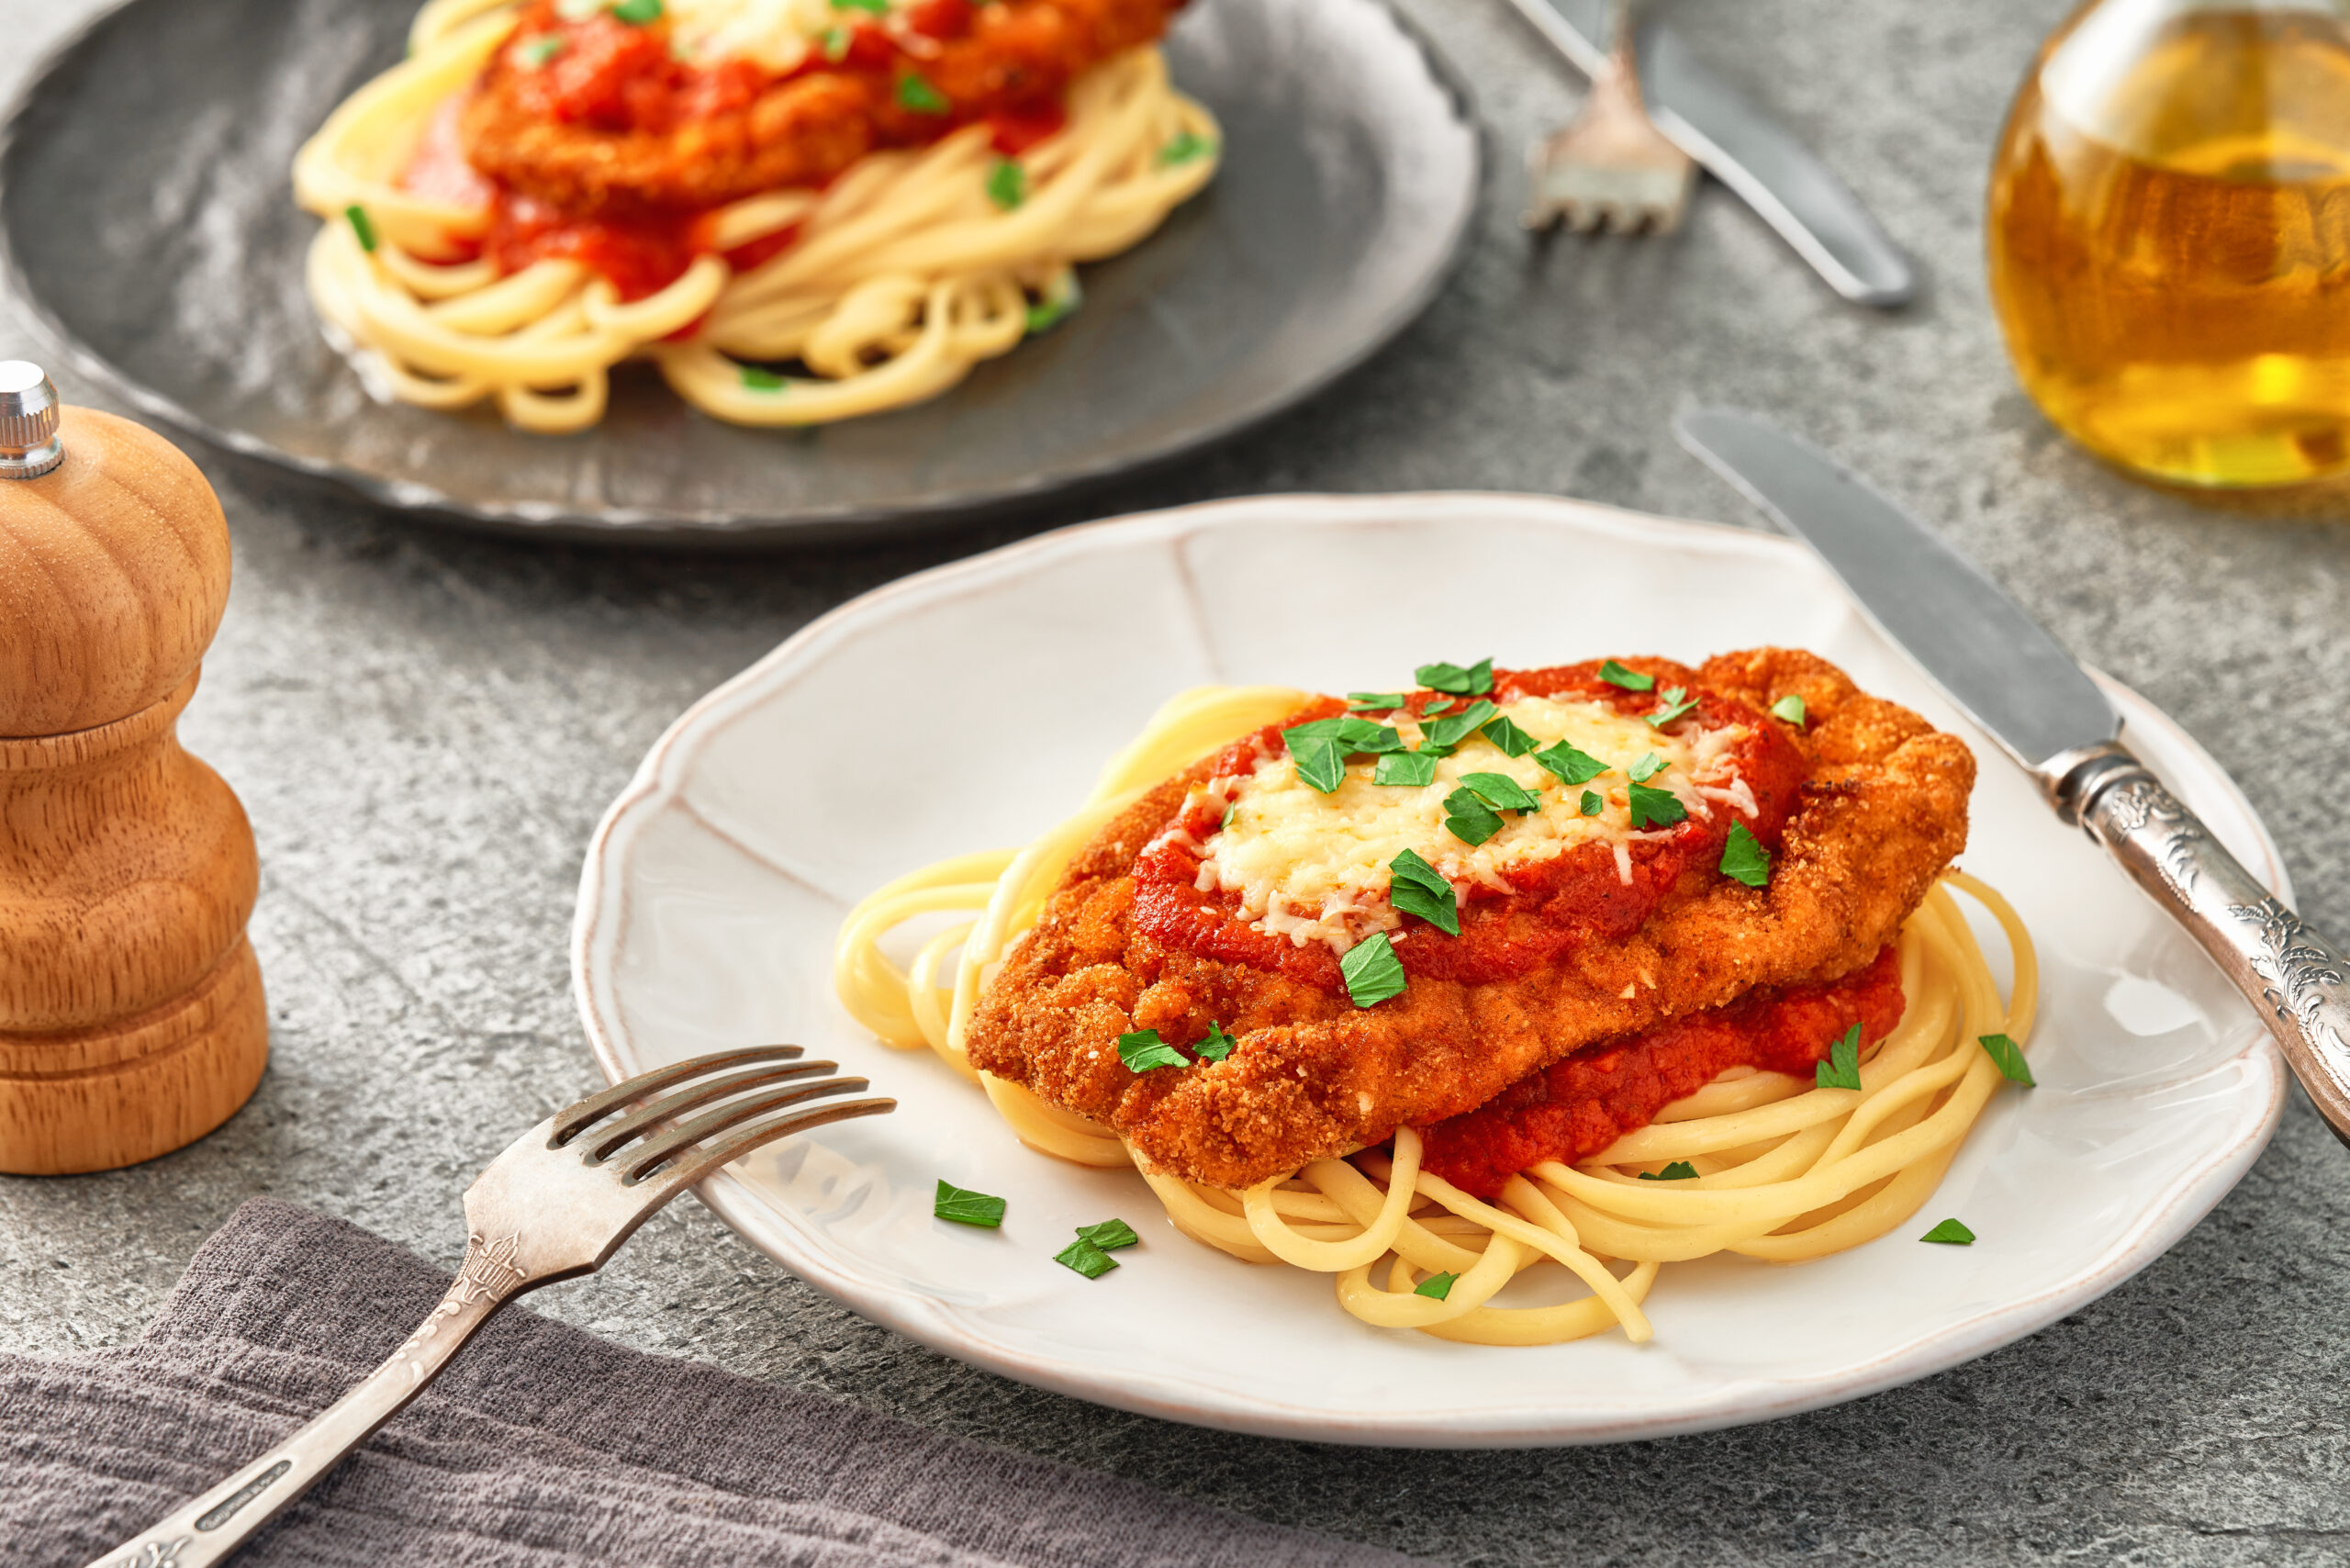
[[1758, 1162], [799, 210]]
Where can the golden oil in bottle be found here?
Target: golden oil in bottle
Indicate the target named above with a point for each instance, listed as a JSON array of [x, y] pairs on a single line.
[[2169, 236]]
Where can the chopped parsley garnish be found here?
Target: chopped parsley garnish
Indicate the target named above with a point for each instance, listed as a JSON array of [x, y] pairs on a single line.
[[1569, 765], [1647, 768], [1502, 792], [1512, 741], [1745, 861], [1109, 1235], [1469, 819], [1418, 887], [916, 94], [1436, 1286], [637, 12], [360, 226], [1652, 807], [1215, 1044], [966, 1207], [1615, 674], [1086, 1259], [1143, 1050], [1225, 821], [870, 7], [535, 52], [2009, 1055], [1475, 681], [1951, 1233], [1407, 767], [1372, 971], [1789, 708], [1058, 304], [1187, 145], [1591, 804], [835, 41], [1375, 701], [1320, 748], [759, 380], [1842, 1067], [1440, 736], [1679, 1170], [1442, 705], [1677, 701], [1007, 183]]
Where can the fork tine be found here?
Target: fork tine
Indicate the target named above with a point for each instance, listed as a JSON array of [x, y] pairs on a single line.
[[687, 1172], [572, 1120], [649, 1156], [604, 1140]]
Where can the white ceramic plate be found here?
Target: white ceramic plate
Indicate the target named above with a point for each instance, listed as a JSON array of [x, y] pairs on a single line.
[[970, 706]]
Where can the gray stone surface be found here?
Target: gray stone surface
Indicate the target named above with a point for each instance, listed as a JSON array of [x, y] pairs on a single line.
[[425, 726]]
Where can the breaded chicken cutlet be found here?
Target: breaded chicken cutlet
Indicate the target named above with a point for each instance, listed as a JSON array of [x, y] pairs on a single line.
[[1679, 842]]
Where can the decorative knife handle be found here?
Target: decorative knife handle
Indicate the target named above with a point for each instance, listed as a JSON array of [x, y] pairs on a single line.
[[2299, 981]]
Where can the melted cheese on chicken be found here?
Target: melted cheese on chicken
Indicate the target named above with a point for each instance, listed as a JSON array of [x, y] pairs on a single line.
[[1313, 867], [777, 34]]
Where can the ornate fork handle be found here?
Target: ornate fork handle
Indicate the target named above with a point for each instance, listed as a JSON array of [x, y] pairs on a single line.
[[210, 1527], [2299, 981]]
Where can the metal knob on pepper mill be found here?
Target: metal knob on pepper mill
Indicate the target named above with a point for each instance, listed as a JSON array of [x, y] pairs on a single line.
[[131, 1014]]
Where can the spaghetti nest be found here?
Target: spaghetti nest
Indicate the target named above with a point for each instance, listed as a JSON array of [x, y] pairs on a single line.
[[1785, 1170], [898, 276]]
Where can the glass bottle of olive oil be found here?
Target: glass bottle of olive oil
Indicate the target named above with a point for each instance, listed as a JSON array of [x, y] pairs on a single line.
[[2169, 236]]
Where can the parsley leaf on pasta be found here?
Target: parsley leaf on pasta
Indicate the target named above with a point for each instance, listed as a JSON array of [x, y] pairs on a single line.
[[362, 228], [1652, 807], [1569, 765], [2009, 1055], [1406, 768], [1060, 300], [535, 52], [1215, 1044], [1418, 887], [1745, 861], [1186, 146], [1648, 767], [1473, 681], [1951, 1232], [1842, 1067], [1436, 1286], [1372, 971], [761, 380], [1086, 1259], [1789, 708], [966, 1207], [1679, 1170], [1469, 819], [1318, 752], [1144, 1049], [1109, 1235], [1591, 804], [1617, 675], [1007, 183], [637, 12], [1375, 701], [1443, 704]]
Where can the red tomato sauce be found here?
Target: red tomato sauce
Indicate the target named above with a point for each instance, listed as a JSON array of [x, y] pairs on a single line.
[[1577, 1108], [605, 73], [1553, 904]]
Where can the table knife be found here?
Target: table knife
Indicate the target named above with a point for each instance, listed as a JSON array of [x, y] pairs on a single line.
[[2013, 680], [1773, 173]]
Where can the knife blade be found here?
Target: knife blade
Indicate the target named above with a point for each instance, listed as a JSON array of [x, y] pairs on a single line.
[[2020, 686], [1771, 172], [1993, 658]]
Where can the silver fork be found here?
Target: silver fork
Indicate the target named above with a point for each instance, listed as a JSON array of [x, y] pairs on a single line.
[[1610, 167], [558, 1203]]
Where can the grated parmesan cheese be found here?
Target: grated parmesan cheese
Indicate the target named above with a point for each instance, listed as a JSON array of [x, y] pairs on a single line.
[[1314, 867]]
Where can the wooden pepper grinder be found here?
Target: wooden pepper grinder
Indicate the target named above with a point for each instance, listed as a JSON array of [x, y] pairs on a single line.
[[131, 1016]]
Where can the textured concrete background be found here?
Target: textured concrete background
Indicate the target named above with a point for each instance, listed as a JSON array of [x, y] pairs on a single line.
[[425, 726]]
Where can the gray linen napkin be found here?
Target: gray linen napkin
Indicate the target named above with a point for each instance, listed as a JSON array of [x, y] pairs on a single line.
[[539, 1445]]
